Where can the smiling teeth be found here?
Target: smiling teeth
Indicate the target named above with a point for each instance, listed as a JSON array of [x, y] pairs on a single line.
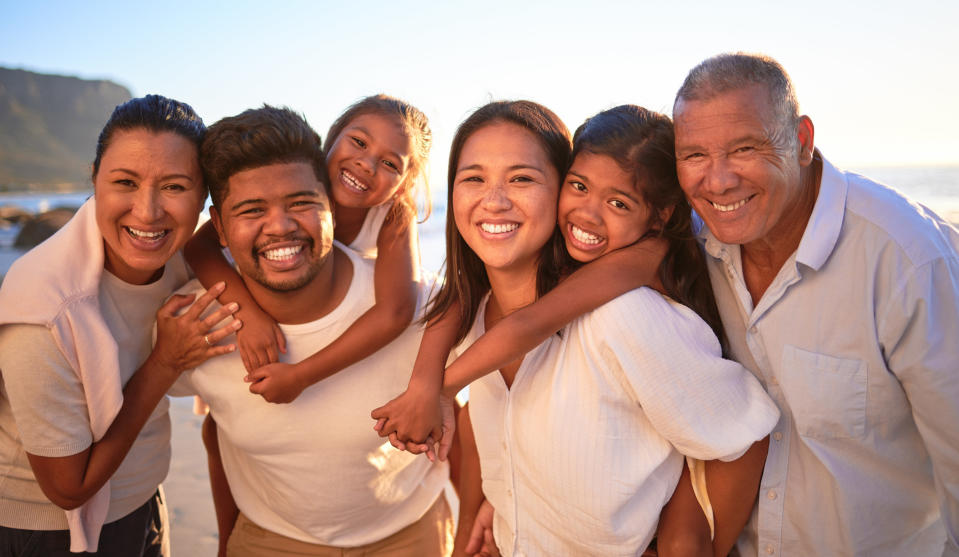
[[145, 235], [351, 180], [498, 228], [280, 254], [727, 208], [583, 236]]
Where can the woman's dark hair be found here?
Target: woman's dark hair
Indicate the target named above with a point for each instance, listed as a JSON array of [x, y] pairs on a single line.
[[642, 143], [466, 280], [155, 113], [254, 138], [417, 127]]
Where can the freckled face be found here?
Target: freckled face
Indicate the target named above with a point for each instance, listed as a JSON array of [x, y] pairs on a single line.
[[600, 208], [504, 197], [369, 161], [739, 170], [149, 192]]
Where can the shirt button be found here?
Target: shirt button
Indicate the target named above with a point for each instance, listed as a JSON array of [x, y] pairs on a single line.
[[753, 329], [770, 549], [509, 492], [772, 496], [778, 436]]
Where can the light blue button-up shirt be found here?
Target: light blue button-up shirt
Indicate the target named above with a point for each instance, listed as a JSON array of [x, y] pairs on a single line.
[[857, 341]]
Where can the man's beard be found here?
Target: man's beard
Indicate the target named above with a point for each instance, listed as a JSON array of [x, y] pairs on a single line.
[[294, 283]]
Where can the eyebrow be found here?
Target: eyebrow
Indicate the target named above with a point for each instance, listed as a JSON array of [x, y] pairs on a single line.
[[164, 177], [258, 200], [514, 167]]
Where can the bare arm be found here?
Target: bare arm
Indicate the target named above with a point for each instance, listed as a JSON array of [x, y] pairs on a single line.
[[733, 487], [682, 529], [70, 481], [470, 485], [395, 282], [416, 415], [223, 503], [260, 340], [589, 287]]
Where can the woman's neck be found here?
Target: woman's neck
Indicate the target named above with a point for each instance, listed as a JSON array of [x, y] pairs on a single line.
[[509, 291]]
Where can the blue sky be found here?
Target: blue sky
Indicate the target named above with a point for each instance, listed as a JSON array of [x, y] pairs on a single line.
[[879, 79]]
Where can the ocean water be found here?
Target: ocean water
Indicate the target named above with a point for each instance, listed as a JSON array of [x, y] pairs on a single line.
[[936, 187]]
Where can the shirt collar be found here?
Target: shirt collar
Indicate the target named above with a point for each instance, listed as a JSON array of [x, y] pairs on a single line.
[[822, 231]]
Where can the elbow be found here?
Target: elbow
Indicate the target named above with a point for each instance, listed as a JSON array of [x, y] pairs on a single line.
[[398, 317], [689, 545], [67, 500]]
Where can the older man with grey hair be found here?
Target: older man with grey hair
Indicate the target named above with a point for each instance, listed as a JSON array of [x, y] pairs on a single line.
[[842, 296]]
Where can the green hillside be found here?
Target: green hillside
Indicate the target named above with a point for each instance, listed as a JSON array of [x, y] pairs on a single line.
[[48, 127]]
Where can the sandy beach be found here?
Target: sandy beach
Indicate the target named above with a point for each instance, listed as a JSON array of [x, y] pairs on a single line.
[[187, 487]]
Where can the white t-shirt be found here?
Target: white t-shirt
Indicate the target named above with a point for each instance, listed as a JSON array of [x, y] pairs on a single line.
[[365, 241], [579, 456], [43, 410], [314, 470]]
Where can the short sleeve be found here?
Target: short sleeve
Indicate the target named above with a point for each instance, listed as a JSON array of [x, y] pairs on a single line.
[[45, 394], [706, 406]]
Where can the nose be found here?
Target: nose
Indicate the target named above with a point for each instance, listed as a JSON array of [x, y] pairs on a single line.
[[588, 210], [147, 205], [366, 163], [720, 176], [279, 222], [496, 198]]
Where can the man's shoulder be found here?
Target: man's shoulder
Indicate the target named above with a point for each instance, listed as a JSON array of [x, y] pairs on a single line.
[[192, 286], [888, 215]]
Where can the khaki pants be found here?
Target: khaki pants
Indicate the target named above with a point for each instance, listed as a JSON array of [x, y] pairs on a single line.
[[430, 536]]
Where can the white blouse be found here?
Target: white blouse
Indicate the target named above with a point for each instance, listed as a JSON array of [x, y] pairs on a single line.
[[579, 456]]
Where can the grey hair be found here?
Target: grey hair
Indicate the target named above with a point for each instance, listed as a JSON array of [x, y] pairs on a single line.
[[733, 71]]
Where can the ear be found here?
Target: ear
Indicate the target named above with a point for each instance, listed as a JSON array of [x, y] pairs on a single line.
[[218, 225], [805, 132]]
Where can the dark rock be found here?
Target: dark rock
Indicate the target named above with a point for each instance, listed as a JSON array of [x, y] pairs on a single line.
[[12, 214], [42, 226]]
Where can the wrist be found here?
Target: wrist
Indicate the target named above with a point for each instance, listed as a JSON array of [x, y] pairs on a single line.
[[425, 383], [163, 369]]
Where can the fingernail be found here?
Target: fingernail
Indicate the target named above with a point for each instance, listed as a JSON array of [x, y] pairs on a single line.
[[237, 324], [233, 306], [219, 286]]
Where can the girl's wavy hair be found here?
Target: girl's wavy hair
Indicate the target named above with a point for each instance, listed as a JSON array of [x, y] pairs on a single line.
[[466, 280], [417, 127], [642, 143]]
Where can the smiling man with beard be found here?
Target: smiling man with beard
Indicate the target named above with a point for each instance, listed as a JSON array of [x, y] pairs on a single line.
[[310, 477]]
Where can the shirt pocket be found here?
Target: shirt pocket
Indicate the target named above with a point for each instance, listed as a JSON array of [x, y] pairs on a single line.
[[826, 394]]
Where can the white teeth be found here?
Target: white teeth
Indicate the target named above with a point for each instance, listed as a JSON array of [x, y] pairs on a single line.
[[583, 236], [145, 235], [280, 254], [353, 181], [727, 208], [498, 228]]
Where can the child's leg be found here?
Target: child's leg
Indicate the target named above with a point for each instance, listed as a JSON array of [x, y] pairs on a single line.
[[223, 503], [683, 530]]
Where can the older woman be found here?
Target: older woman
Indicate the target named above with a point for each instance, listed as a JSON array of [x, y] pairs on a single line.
[[84, 429]]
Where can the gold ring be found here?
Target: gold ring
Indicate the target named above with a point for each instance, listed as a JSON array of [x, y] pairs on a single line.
[[207, 339]]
